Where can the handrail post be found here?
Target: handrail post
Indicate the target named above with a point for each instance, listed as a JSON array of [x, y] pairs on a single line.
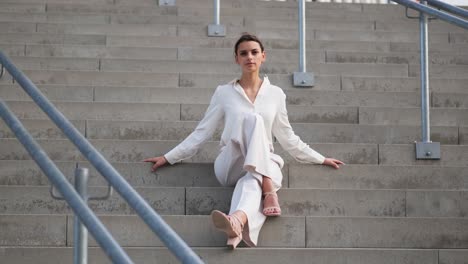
[[80, 233], [302, 78], [216, 29], [425, 149], [167, 2]]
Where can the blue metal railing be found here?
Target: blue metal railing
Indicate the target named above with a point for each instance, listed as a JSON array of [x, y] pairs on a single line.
[[165, 233]]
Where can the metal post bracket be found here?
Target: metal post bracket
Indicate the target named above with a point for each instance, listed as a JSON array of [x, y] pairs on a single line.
[[216, 30], [427, 150], [167, 2], [303, 79]]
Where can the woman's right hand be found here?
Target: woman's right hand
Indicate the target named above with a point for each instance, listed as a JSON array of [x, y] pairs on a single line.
[[158, 162]]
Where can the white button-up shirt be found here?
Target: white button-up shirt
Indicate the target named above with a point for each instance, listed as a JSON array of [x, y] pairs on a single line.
[[230, 102]]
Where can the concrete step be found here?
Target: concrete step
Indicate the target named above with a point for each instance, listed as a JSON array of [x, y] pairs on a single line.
[[451, 156], [54, 18], [413, 26], [65, 64], [458, 100], [336, 133], [289, 232], [294, 202], [42, 129], [437, 71], [13, 92], [385, 36], [75, 8], [107, 29], [137, 150], [17, 27], [151, 255], [99, 51], [82, 78], [401, 84], [411, 116], [41, 38], [434, 47], [394, 70], [393, 176], [12, 50], [368, 177], [23, 8], [401, 58], [458, 38], [37, 200]]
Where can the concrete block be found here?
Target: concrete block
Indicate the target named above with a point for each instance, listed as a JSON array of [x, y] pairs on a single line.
[[100, 52], [64, 64], [22, 8], [108, 29], [433, 47], [74, 8], [435, 27], [154, 255], [234, 21], [33, 230], [37, 200], [377, 36], [458, 100], [41, 129], [356, 98], [379, 134], [132, 130], [405, 154], [198, 231], [430, 233], [458, 38], [275, 55], [17, 27], [437, 203], [312, 24], [400, 84], [299, 114], [12, 50], [60, 150], [463, 134], [26, 172], [201, 201], [307, 202], [41, 38], [103, 78], [411, 116], [53, 92], [101, 111], [55, 18], [453, 256], [378, 177], [441, 71], [153, 95]]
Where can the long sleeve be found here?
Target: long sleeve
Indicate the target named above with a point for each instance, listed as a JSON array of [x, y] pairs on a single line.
[[202, 133], [290, 142]]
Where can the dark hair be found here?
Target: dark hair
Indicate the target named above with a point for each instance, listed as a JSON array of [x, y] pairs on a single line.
[[247, 37]]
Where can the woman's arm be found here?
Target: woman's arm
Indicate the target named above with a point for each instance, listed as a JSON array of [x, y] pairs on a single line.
[[202, 133], [290, 142]]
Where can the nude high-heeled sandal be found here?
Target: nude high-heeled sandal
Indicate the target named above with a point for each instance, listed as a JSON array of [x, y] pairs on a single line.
[[229, 224], [271, 210]]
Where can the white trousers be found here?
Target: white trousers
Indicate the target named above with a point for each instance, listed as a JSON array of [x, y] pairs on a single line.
[[242, 163]]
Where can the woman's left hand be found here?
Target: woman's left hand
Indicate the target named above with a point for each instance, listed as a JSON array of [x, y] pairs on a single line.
[[333, 163]]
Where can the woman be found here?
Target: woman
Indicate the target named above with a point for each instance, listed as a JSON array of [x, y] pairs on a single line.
[[252, 109]]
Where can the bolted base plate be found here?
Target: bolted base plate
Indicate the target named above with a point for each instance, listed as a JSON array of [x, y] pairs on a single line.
[[167, 2], [427, 150], [303, 79], [216, 30]]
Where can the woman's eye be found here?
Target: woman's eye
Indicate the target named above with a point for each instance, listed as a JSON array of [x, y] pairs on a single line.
[[254, 52], [243, 54]]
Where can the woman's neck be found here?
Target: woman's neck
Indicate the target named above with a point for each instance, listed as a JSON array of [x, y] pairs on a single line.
[[250, 81]]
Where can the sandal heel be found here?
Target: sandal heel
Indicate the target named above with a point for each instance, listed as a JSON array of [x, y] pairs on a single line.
[[232, 242]]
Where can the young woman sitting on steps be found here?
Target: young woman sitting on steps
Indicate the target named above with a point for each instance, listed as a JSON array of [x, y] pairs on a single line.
[[252, 110]]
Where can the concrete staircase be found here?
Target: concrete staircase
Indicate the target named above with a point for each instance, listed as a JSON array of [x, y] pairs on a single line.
[[135, 78]]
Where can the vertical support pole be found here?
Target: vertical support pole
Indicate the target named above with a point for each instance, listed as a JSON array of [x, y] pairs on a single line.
[[425, 149], [216, 29], [80, 233], [302, 78]]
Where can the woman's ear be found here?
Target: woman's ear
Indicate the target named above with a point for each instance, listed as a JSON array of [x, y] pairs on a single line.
[[236, 59]]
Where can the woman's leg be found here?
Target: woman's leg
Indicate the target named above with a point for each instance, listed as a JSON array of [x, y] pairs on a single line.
[[271, 205]]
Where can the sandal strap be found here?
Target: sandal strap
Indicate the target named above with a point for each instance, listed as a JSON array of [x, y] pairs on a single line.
[[270, 193], [237, 221]]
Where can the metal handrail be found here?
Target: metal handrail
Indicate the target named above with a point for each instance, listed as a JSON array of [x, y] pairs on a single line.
[[449, 8], [434, 12], [86, 215], [165, 233]]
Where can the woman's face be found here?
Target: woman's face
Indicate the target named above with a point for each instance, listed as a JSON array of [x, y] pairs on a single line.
[[250, 56]]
